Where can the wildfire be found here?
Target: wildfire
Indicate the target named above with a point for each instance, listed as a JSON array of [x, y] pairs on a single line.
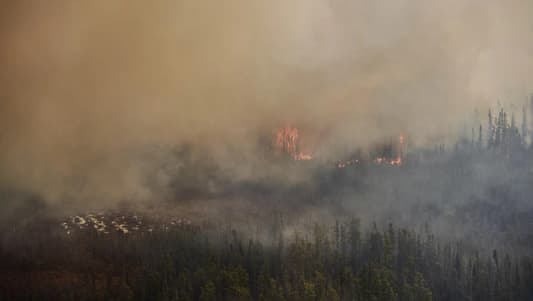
[[344, 164], [386, 161], [380, 160], [303, 156], [396, 160], [287, 141]]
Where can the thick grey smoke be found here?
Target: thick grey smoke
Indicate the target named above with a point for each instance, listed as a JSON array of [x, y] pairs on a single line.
[[85, 86]]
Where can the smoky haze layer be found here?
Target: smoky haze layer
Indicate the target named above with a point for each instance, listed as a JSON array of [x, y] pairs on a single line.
[[85, 87]]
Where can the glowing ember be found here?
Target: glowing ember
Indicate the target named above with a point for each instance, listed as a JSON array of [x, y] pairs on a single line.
[[302, 156], [396, 160], [347, 163]]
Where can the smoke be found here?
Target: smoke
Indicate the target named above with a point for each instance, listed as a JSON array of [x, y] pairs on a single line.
[[85, 87]]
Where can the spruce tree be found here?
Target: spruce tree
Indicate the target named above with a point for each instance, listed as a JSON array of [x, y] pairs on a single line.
[[490, 131]]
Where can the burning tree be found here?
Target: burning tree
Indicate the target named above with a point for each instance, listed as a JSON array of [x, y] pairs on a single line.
[[287, 141]]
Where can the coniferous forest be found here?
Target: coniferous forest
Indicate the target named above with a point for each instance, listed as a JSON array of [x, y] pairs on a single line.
[[450, 223], [266, 150], [445, 224], [340, 261]]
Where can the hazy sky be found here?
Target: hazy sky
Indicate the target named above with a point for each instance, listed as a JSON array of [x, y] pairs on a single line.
[[83, 82]]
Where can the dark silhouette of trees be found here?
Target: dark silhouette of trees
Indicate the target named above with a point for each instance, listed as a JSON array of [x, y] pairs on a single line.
[[339, 262]]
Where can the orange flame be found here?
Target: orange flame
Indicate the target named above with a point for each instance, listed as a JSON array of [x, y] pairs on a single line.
[[398, 159], [287, 141]]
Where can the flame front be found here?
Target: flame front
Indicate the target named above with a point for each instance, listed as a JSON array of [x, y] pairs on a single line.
[[396, 160]]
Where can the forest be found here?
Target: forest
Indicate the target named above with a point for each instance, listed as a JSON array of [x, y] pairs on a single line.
[[302, 150], [446, 224], [339, 261]]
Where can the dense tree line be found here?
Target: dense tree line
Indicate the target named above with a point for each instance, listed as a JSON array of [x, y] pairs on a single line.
[[325, 262]]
